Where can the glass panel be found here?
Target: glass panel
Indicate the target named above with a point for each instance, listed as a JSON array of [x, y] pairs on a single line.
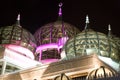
[[1, 63], [11, 68]]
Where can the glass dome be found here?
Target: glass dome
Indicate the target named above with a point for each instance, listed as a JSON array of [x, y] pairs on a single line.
[[90, 42], [16, 35], [101, 72], [18, 40], [53, 32], [51, 37]]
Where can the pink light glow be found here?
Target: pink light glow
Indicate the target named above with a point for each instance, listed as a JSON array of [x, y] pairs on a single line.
[[58, 45], [18, 59], [44, 47], [48, 61], [62, 41], [21, 50]]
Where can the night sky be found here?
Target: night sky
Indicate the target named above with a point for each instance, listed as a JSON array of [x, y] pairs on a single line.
[[36, 13]]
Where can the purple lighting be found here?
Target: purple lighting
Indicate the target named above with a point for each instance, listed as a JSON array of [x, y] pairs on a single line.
[[62, 41], [60, 9], [50, 46], [21, 50], [47, 61]]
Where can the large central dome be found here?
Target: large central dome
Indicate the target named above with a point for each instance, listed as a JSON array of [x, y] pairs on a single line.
[[51, 38], [52, 32]]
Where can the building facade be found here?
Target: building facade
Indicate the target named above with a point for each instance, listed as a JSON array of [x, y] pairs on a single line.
[[58, 51]]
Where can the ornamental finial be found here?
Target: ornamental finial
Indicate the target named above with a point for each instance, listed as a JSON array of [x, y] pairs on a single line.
[[87, 22], [109, 27], [60, 9], [109, 30], [87, 19], [18, 17], [18, 20]]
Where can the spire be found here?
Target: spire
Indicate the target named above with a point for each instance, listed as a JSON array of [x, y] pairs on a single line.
[[87, 19], [109, 29], [18, 17], [18, 20], [87, 22], [60, 11]]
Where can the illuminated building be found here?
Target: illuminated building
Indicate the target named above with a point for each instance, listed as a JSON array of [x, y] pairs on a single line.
[[51, 38], [58, 51]]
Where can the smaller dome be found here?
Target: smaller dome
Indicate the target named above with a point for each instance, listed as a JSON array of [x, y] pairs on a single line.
[[16, 35], [89, 42], [18, 39], [101, 72]]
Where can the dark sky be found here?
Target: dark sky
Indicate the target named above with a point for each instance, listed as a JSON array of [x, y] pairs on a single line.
[[36, 13]]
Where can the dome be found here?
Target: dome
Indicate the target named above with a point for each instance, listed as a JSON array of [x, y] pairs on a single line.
[[89, 42], [101, 72], [51, 37], [17, 38], [52, 32], [16, 35]]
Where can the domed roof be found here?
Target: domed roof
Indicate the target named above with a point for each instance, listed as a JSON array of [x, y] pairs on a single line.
[[51, 38], [101, 72], [17, 35], [52, 32], [89, 42]]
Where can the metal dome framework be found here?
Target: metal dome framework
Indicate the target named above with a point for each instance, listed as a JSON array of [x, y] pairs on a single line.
[[89, 42], [51, 38], [16, 35], [52, 32], [17, 47]]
